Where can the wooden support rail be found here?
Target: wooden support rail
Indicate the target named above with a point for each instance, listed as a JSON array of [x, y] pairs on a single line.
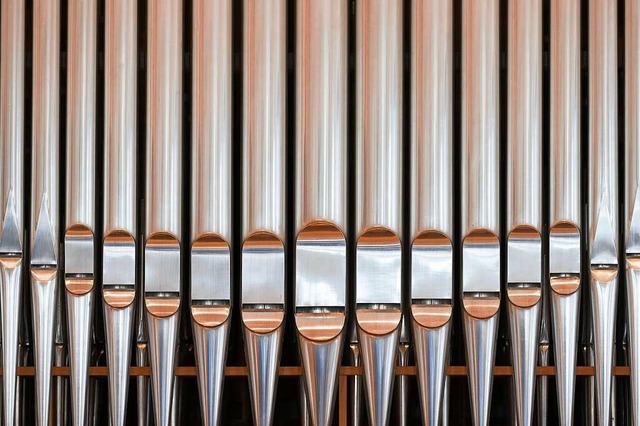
[[286, 371]]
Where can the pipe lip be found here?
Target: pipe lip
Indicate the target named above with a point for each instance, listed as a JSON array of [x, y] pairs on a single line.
[[210, 316], [320, 327], [78, 286], [378, 322], [262, 321], [481, 308], [162, 307], [118, 298], [431, 316]]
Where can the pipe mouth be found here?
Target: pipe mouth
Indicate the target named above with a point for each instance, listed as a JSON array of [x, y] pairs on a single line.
[[210, 316], [525, 296], [483, 306], [43, 274], [262, 321], [432, 266], [263, 270], [481, 262], [320, 327], [162, 263], [119, 259], [378, 267], [378, 321], [633, 261], [210, 268], [118, 298], [78, 286], [162, 306], [79, 252], [564, 285], [604, 274], [431, 315], [10, 260], [321, 266]]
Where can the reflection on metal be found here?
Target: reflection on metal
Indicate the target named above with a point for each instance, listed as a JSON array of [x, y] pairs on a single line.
[[263, 172], [480, 198], [632, 194], [211, 199], [12, 145], [603, 194], [162, 248], [44, 196]]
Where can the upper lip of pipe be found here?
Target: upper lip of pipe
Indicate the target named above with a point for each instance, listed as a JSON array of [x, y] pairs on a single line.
[[162, 263], [378, 267]]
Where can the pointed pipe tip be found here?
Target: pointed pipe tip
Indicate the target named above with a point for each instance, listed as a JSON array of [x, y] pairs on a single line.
[[210, 335], [162, 318], [118, 320], [79, 319], [565, 310], [431, 345], [320, 338], [263, 332], [603, 306], [480, 340], [379, 333], [44, 285], [524, 325]]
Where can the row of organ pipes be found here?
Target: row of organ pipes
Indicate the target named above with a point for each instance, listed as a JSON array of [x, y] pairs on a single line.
[[377, 327]]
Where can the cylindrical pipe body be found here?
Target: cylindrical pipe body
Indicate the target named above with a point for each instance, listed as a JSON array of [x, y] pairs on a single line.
[[12, 51], [120, 119], [211, 127], [431, 117], [46, 112], [379, 59], [264, 112], [524, 114], [565, 112], [164, 118], [321, 118], [81, 113], [480, 112]]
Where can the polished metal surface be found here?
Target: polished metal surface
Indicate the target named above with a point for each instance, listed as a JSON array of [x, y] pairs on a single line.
[[480, 174], [632, 194], [80, 196], [211, 354], [162, 268], [211, 199], [565, 199], [321, 199], [431, 215], [524, 188], [120, 167], [44, 196], [12, 79], [264, 191], [603, 193]]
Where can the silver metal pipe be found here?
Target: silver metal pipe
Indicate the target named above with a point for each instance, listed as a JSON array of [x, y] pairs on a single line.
[[79, 241], [211, 198], [264, 183], [45, 195], [524, 219], [431, 197], [162, 270], [379, 62], [565, 199], [632, 192], [603, 193], [120, 212], [12, 54], [321, 198], [480, 198]]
